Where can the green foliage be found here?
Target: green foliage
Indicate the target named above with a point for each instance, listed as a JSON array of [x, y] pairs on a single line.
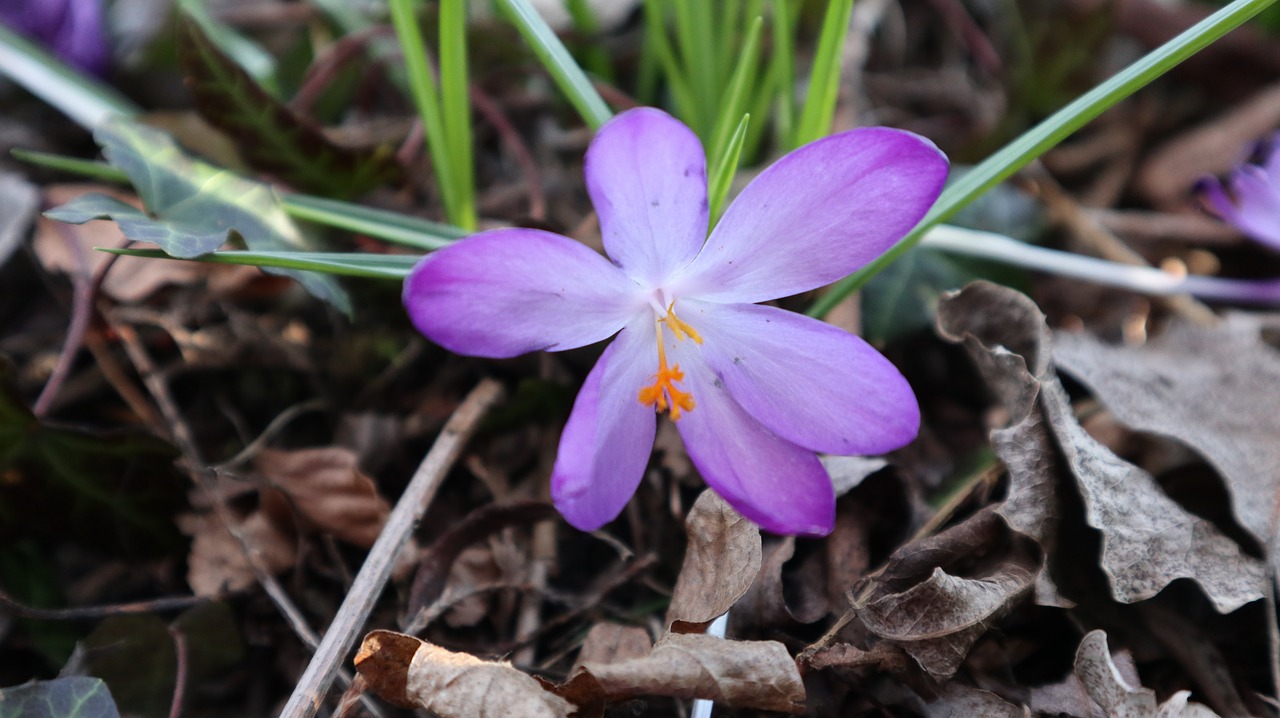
[[573, 82], [192, 207], [74, 697], [268, 134]]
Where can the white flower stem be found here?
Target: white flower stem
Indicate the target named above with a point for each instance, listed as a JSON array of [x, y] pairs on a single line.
[[701, 706], [1147, 280]]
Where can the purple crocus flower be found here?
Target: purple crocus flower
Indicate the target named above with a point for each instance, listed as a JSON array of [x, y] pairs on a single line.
[[71, 29], [754, 390], [1249, 197]]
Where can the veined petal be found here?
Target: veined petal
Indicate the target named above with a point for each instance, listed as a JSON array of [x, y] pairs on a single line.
[[647, 176], [806, 381], [511, 291], [607, 441], [1256, 208], [777, 484], [817, 215]]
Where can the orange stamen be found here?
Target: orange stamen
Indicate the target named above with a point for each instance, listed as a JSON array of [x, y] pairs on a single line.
[[663, 395]]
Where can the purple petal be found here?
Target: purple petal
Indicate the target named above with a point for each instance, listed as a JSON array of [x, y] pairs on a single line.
[[607, 441], [818, 214], [775, 483], [511, 291], [1256, 209], [808, 382], [647, 177]]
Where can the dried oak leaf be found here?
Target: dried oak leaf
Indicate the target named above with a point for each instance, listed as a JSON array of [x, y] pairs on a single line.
[[327, 489], [741, 674], [721, 561], [1119, 697], [451, 684], [1211, 388], [1148, 540]]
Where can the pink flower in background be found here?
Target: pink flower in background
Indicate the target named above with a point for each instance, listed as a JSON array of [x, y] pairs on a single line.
[[73, 30], [1249, 197], [755, 391]]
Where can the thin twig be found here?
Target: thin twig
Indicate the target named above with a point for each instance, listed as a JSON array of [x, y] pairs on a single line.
[[518, 149], [81, 312], [158, 605], [373, 576], [180, 672]]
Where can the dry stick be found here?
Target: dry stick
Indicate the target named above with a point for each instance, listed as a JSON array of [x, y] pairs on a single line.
[[376, 570], [185, 441]]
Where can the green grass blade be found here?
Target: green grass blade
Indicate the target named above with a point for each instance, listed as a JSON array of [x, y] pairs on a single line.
[[376, 266], [824, 78], [426, 96], [655, 28], [551, 52], [455, 107], [80, 97], [695, 34], [723, 167], [389, 226], [1034, 142], [734, 101], [93, 169], [782, 70]]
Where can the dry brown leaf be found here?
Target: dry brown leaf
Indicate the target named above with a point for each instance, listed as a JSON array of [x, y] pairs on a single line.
[[1121, 698], [328, 490], [613, 643], [720, 563], [1212, 388], [451, 684], [741, 674], [960, 701], [1148, 540], [217, 562]]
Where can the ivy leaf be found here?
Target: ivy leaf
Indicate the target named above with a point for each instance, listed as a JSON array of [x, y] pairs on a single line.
[[192, 207], [74, 697]]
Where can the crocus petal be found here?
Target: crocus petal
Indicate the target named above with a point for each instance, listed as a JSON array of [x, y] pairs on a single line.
[[808, 382], [647, 177], [607, 441], [818, 214], [511, 291], [1254, 212], [775, 483]]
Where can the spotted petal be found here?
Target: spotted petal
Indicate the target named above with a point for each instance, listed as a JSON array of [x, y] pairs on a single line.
[[817, 215], [647, 177], [607, 441], [809, 382], [777, 484], [511, 291]]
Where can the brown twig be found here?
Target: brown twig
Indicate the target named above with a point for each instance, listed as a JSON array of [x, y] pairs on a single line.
[[518, 149], [180, 672], [373, 576], [158, 605]]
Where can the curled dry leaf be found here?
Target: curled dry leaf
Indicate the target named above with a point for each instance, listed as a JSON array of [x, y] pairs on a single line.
[[721, 561], [960, 701], [1121, 698], [328, 490], [937, 621], [411, 673], [1148, 540], [741, 674], [1211, 388]]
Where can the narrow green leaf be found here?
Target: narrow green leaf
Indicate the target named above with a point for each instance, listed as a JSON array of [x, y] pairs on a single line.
[[734, 101], [80, 97], [1039, 139], [724, 166], [824, 78], [455, 107], [556, 59], [375, 266], [656, 40], [72, 165], [782, 71], [426, 96], [390, 226]]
